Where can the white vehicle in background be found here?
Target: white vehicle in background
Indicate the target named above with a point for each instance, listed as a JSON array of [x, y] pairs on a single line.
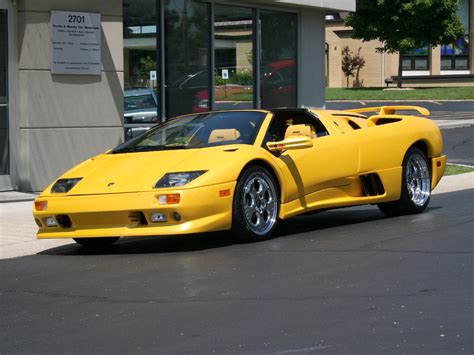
[[140, 111]]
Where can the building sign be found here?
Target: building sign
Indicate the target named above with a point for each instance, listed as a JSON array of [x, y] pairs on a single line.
[[76, 43], [225, 74]]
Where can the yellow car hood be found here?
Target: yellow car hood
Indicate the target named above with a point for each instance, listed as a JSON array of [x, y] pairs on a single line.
[[131, 172], [138, 172]]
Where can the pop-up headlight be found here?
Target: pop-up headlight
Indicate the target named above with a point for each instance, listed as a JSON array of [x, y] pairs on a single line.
[[63, 186], [178, 179]]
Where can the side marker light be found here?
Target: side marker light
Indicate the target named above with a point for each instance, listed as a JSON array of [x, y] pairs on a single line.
[[41, 205], [224, 193]]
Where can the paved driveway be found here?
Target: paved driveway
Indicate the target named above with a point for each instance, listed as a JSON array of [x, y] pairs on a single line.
[[342, 282]]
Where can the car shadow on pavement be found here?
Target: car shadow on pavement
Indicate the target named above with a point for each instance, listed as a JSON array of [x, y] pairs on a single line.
[[206, 241]]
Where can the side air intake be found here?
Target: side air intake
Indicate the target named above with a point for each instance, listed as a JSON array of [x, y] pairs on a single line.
[[372, 185]]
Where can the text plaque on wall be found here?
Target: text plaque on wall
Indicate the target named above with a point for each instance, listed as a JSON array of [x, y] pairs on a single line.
[[76, 43]]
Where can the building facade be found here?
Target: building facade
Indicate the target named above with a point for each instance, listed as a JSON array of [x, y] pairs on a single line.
[[79, 77], [451, 64]]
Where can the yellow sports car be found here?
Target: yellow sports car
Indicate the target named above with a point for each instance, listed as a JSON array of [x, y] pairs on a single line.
[[244, 171]]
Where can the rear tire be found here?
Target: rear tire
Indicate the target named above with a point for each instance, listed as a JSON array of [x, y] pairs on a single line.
[[416, 186], [256, 206], [96, 243]]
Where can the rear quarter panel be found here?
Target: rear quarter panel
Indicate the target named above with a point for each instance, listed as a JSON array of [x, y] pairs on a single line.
[[385, 146]]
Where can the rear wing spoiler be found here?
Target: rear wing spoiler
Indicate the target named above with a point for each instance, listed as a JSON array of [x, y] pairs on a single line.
[[391, 110]]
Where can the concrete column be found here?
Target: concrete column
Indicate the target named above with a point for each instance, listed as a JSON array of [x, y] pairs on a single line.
[[311, 74], [65, 119], [435, 61]]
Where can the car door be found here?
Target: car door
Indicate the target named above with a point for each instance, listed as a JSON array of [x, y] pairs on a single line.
[[331, 162]]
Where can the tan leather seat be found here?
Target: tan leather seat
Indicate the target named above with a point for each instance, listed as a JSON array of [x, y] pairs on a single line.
[[300, 130], [223, 135]]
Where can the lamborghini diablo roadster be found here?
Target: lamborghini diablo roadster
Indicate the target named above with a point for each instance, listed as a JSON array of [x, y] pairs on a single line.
[[244, 171]]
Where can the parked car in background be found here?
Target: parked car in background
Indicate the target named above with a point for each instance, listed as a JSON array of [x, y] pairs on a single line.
[[188, 94], [140, 108], [278, 80]]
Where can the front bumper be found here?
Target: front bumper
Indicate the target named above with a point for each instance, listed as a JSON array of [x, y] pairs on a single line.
[[129, 214]]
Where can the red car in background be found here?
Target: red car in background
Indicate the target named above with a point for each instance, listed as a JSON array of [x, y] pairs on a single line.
[[278, 84]]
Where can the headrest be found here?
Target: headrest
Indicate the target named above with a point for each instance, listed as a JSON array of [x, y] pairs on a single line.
[[223, 135], [300, 130]]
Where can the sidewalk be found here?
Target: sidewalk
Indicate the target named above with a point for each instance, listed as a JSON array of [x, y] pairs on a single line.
[[18, 229]]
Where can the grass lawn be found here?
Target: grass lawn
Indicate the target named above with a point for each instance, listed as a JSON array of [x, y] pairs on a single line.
[[447, 93], [452, 169], [242, 96]]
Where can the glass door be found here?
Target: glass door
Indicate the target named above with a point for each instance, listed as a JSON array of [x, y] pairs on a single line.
[[234, 57], [4, 133]]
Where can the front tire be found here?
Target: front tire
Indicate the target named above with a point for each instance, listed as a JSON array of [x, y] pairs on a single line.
[[96, 243], [416, 186], [256, 205]]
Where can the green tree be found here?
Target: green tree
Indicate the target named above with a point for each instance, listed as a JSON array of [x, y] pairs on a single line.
[[147, 64], [404, 25], [352, 63]]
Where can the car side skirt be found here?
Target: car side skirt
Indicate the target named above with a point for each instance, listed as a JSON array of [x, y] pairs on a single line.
[[351, 194]]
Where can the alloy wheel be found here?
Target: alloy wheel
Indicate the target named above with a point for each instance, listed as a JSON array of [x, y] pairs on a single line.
[[259, 200]]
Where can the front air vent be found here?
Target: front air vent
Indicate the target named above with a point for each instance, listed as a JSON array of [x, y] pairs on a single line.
[[354, 125], [64, 221], [138, 217]]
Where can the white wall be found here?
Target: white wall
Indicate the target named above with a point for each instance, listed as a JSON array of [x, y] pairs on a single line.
[[64, 119]]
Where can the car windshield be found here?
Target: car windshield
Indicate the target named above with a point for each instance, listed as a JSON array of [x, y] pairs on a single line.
[[198, 131], [139, 102]]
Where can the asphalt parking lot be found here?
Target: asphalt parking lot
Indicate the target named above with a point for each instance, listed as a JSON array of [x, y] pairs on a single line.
[[459, 145], [345, 281]]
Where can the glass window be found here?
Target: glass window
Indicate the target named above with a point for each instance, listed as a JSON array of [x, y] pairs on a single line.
[[4, 141], [417, 59], [463, 13], [455, 56], [278, 59], [187, 47], [199, 131], [406, 63], [141, 70], [234, 53]]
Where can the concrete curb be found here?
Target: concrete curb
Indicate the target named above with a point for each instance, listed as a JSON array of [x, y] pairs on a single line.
[[455, 183]]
